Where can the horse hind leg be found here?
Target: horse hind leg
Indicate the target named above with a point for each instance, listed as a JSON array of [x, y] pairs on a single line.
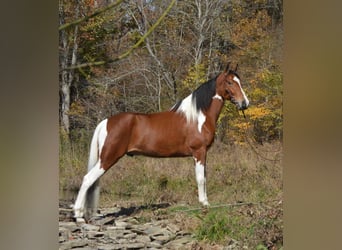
[[110, 154], [92, 200], [87, 197], [88, 180]]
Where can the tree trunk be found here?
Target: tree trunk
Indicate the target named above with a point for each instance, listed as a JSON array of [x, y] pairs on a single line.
[[67, 77]]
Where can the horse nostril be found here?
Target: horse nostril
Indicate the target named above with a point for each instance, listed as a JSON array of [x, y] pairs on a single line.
[[244, 105]]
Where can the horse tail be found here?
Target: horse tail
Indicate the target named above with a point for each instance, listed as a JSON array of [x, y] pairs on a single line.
[[93, 193]]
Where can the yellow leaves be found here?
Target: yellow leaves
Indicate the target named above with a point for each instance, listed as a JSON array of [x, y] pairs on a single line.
[[196, 75], [258, 94], [263, 75], [250, 29], [266, 76], [76, 109], [242, 126], [257, 112]]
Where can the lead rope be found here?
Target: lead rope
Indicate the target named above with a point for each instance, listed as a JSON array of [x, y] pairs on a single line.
[[253, 147], [230, 205]]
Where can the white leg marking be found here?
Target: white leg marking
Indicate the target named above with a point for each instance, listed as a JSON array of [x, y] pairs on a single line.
[[88, 180], [200, 121], [201, 182]]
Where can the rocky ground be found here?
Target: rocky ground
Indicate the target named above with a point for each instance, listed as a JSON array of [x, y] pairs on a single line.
[[119, 228]]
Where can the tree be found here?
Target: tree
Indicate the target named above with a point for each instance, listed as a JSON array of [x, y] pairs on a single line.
[[92, 33], [143, 56], [68, 43]]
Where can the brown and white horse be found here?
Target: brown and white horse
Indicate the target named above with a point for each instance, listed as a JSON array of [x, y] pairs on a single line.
[[187, 129]]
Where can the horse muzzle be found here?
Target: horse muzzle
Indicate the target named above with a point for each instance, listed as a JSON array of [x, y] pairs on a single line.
[[242, 105]]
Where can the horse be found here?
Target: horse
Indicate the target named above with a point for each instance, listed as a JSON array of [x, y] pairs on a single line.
[[186, 130]]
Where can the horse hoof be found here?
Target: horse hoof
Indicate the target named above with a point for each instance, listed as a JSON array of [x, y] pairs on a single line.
[[80, 220], [205, 204]]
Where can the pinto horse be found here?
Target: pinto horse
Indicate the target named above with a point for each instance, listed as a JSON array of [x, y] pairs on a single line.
[[187, 129]]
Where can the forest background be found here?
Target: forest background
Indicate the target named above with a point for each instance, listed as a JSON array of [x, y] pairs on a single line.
[[191, 45], [108, 65]]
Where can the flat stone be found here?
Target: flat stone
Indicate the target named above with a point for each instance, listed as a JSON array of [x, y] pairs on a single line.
[[73, 244], [94, 234], [89, 227], [130, 236], [115, 228], [105, 221], [112, 232], [109, 247], [175, 244], [132, 220], [162, 238], [173, 228], [143, 238], [138, 231], [136, 245], [154, 244], [182, 233], [122, 224], [115, 234], [84, 248], [69, 225], [154, 230]]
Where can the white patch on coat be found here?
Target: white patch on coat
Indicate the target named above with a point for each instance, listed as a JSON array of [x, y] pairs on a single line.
[[188, 108], [200, 121], [218, 97]]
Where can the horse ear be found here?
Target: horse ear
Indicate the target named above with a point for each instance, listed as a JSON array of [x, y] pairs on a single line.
[[236, 68], [227, 68]]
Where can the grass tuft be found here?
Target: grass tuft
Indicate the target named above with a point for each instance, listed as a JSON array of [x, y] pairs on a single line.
[[234, 174]]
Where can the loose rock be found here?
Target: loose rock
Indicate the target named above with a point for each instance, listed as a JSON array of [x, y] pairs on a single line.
[[110, 232]]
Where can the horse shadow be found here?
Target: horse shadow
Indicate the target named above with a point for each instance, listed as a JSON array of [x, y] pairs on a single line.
[[109, 218]]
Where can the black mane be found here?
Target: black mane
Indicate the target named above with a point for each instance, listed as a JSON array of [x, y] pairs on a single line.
[[203, 95]]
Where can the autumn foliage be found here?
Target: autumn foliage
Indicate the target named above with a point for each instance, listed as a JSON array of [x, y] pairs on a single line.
[[191, 45]]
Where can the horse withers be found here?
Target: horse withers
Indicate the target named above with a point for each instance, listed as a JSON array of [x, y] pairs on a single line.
[[186, 130]]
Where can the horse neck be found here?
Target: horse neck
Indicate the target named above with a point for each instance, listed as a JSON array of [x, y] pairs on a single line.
[[214, 110]]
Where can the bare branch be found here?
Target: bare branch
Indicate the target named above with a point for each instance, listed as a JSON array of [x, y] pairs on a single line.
[[129, 51], [96, 13]]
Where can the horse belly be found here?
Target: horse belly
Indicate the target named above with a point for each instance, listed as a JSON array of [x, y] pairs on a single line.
[[158, 146], [159, 139]]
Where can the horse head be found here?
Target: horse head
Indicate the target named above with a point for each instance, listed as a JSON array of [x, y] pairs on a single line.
[[228, 86]]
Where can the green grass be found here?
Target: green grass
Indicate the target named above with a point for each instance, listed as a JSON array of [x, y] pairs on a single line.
[[234, 174], [215, 227]]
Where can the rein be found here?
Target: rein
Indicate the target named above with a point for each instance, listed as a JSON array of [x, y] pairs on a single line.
[[237, 204], [243, 112]]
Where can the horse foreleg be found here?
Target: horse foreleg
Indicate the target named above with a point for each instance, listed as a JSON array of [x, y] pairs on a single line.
[[201, 181], [88, 180]]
